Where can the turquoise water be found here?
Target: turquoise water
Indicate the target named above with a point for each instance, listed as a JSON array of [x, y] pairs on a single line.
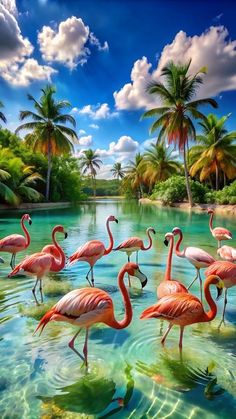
[[40, 377]]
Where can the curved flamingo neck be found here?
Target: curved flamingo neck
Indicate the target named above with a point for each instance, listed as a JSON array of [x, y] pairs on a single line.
[[150, 241], [211, 222], [210, 315], [126, 300], [169, 260], [177, 246], [58, 264], [110, 247], [27, 236]]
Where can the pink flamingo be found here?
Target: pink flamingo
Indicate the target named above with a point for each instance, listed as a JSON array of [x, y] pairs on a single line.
[[135, 244], [86, 306], [219, 233], [196, 256], [227, 253], [184, 308], [16, 242], [93, 250], [227, 273], [41, 263], [169, 285]]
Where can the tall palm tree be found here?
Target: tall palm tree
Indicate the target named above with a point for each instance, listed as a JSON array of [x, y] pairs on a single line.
[[90, 162], [178, 110], [2, 116], [134, 173], [49, 134], [215, 151], [118, 171], [160, 164]]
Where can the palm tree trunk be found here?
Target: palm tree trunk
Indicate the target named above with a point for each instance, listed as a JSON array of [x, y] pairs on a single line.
[[190, 199], [224, 179], [49, 169], [217, 178]]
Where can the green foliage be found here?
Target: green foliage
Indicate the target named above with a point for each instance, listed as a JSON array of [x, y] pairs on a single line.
[[103, 187], [174, 190], [66, 181], [226, 196]]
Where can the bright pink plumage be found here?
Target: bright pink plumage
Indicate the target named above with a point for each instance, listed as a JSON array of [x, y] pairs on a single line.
[[225, 270], [227, 253], [219, 233]]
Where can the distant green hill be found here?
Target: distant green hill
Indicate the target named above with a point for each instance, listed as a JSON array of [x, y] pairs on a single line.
[[103, 187]]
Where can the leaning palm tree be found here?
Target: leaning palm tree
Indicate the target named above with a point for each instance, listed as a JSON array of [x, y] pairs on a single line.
[[134, 174], [161, 164], [2, 116], [118, 171], [178, 110], [49, 134], [90, 162], [215, 151]]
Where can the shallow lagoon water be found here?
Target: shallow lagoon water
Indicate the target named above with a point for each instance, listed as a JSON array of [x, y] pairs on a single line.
[[130, 375]]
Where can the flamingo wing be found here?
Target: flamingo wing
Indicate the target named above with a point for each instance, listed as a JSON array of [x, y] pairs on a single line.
[[38, 263], [52, 250], [132, 242], [224, 269], [222, 232], [12, 242], [175, 307], [227, 253], [199, 255], [93, 248]]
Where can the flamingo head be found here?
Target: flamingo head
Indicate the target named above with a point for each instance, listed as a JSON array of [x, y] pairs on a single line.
[[133, 270], [176, 231], [151, 230], [60, 229], [168, 237], [210, 211], [112, 218], [26, 217], [217, 281]]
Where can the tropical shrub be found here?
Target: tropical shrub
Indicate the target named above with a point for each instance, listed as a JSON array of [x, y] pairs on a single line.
[[226, 196]]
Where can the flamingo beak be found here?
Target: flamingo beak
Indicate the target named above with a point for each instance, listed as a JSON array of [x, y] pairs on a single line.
[[66, 235], [219, 287], [166, 242], [141, 277], [116, 221], [30, 221]]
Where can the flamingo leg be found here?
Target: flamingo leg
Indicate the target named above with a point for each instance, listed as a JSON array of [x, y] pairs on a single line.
[[128, 274], [137, 258], [72, 343], [166, 333], [219, 244], [196, 277], [12, 265], [85, 349], [41, 289], [223, 314], [200, 280], [181, 337], [87, 276], [92, 277], [33, 291]]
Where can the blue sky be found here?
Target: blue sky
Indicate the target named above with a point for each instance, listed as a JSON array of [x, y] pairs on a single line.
[[101, 54]]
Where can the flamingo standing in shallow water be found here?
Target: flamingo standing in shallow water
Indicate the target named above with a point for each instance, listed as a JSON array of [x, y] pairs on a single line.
[[16, 242], [86, 306], [219, 233], [39, 264], [227, 273], [93, 250], [135, 244], [227, 253], [184, 309], [196, 256], [169, 285]]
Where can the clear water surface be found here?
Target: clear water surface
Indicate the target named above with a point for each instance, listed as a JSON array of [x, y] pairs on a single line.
[[130, 375]]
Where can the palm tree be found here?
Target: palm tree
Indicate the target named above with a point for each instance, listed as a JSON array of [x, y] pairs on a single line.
[[160, 164], [215, 151], [118, 171], [176, 115], [134, 173], [5, 191], [90, 162], [2, 116], [49, 134]]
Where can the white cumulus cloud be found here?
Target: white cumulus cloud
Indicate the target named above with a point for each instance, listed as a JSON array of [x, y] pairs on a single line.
[[95, 41], [94, 126], [212, 48], [100, 111], [86, 140], [121, 150]]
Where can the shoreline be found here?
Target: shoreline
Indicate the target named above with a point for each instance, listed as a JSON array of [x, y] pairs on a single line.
[[229, 210], [32, 206]]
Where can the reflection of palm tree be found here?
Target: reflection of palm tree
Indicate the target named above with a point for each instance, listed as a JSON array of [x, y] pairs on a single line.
[[215, 152], [176, 115], [49, 134], [90, 162], [118, 171]]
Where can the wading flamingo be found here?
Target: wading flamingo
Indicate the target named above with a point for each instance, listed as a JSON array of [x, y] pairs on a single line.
[[227, 253], [93, 250], [39, 264], [227, 273], [184, 309], [86, 306], [219, 233], [135, 244], [16, 242], [169, 285], [196, 256]]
